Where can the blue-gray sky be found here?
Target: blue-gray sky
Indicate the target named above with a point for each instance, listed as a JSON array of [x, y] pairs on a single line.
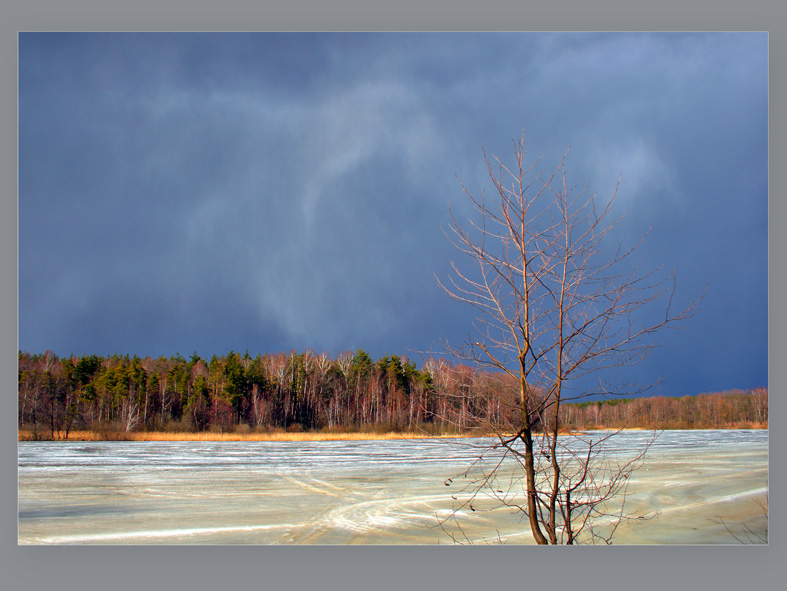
[[269, 192]]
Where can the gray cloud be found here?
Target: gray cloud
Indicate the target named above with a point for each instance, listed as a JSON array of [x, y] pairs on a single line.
[[217, 192]]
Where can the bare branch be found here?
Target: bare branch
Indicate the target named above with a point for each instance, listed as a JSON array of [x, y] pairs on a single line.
[[553, 307]]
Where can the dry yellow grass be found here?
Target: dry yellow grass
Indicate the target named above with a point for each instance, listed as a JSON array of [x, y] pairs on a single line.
[[25, 435]]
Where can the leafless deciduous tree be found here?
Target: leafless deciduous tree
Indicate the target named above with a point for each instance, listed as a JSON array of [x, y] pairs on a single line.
[[555, 304], [751, 533]]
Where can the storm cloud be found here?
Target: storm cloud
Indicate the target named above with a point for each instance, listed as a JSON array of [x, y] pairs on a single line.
[[208, 192]]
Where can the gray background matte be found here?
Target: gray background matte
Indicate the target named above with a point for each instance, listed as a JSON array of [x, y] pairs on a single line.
[[84, 568]]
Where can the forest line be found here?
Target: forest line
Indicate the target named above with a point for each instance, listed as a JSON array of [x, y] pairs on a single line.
[[308, 392]]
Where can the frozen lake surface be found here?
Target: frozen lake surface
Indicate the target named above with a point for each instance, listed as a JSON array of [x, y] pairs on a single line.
[[703, 484]]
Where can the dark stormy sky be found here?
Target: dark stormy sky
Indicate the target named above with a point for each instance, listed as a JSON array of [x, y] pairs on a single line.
[[269, 192]]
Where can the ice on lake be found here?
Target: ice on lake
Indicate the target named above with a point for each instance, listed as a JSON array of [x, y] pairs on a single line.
[[700, 487]]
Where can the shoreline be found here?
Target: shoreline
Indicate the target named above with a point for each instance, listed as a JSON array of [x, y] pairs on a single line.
[[24, 435], [27, 435]]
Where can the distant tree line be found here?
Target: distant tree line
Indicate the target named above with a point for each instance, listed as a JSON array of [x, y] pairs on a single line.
[[308, 391], [720, 410]]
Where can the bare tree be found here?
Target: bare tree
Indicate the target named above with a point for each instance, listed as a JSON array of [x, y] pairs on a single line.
[[129, 412], [554, 306], [749, 533], [760, 404]]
